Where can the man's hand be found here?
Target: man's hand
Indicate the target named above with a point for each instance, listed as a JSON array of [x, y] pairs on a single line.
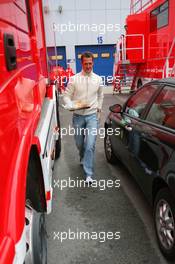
[[98, 113], [68, 105]]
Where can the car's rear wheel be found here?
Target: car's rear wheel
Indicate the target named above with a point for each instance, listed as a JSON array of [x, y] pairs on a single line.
[[36, 237], [164, 219], [111, 158]]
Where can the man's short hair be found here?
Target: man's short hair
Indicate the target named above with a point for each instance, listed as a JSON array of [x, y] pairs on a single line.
[[87, 54]]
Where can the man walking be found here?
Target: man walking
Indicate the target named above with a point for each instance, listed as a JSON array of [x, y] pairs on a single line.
[[86, 86]]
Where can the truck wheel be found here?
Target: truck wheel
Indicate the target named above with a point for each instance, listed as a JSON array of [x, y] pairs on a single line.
[[36, 237], [58, 141], [111, 158], [139, 83], [164, 219], [58, 147]]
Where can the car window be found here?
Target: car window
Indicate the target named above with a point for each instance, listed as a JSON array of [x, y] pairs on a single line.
[[162, 111], [137, 103]]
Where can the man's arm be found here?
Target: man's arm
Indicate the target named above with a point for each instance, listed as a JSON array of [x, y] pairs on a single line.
[[68, 94], [100, 95]]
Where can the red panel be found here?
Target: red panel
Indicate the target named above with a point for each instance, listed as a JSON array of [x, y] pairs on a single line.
[[21, 94], [137, 37], [7, 251]]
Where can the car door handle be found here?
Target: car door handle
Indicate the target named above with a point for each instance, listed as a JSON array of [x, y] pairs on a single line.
[[128, 128], [148, 138]]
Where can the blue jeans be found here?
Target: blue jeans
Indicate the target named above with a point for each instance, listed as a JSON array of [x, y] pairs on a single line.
[[86, 127]]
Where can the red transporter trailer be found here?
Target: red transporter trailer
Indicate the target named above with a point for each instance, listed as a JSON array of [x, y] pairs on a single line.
[[147, 49], [29, 138]]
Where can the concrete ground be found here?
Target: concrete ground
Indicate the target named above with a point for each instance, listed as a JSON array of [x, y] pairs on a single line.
[[109, 90], [99, 212]]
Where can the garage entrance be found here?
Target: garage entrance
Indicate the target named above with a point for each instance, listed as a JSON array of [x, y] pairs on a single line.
[[103, 58], [61, 56]]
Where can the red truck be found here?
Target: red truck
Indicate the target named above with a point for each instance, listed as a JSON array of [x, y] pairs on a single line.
[[147, 49], [29, 133]]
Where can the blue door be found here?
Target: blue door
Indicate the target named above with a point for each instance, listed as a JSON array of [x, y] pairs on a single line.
[[61, 56], [103, 58]]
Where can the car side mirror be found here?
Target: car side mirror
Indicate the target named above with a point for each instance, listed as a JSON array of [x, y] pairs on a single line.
[[117, 108]]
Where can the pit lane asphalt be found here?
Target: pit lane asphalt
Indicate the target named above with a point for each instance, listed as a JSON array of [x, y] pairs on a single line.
[[123, 210]]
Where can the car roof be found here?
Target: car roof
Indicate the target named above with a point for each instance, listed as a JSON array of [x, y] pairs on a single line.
[[170, 81]]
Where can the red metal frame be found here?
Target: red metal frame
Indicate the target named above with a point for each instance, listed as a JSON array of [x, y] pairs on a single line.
[[158, 44]]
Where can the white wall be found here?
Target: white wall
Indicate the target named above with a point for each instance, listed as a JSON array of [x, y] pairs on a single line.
[[96, 14]]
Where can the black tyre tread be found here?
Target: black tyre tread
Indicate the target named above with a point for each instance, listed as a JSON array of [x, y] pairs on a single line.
[[139, 83], [112, 159], [58, 142], [36, 238], [167, 196], [58, 148]]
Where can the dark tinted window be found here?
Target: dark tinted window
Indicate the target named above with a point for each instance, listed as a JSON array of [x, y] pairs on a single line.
[[137, 103], [162, 19], [164, 6], [159, 17], [162, 111]]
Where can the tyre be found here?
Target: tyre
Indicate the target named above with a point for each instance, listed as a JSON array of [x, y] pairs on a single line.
[[111, 158], [58, 141], [58, 148], [139, 83], [164, 219], [36, 237]]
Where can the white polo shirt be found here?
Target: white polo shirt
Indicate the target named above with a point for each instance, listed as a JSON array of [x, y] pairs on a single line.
[[85, 87]]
